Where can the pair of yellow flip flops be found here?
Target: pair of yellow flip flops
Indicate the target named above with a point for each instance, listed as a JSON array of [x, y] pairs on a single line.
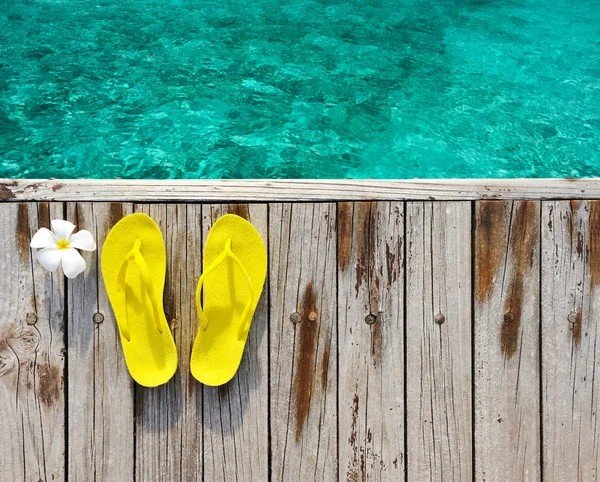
[[134, 267]]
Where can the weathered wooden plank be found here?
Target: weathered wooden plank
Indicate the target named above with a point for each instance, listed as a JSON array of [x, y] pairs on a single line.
[[507, 358], [438, 342], [303, 360], [32, 401], [236, 425], [100, 390], [279, 190], [571, 340], [371, 341], [169, 417]]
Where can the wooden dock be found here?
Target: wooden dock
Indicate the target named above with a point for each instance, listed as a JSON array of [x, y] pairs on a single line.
[[449, 332]]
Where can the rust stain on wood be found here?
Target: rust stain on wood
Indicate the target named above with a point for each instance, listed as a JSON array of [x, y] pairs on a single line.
[[115, 214], [352, 439], [57, 186], [305, 359], [23, 232], [390, 258], [309, 303], [509, 337], [376, 340], [50, 384], [362, 464], [571, 218], [6, 191], [577, 328], [571, 223], [352, 474], [579, 244], [490, 236], [240, 210], [594, 242], [524, 237], [324, 368], [43, 210], [364, 246], [344, 234]]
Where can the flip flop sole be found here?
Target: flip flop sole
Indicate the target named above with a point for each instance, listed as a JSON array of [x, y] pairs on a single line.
[[151, 356], [217, 351]]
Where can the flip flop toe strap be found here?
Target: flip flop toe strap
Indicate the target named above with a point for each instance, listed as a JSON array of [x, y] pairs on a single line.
[[246, 318], [136, 255]]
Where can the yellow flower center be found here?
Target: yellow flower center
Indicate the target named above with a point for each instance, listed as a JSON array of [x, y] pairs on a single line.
[[62, 244]]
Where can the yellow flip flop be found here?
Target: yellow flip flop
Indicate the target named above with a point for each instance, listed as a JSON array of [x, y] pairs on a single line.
[[235, 268], [133, 267]]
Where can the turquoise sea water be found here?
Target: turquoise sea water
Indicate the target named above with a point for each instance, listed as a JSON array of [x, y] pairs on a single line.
[[299, 89]]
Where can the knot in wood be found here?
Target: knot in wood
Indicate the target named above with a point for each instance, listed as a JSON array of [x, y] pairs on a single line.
[[31, 318], [27, 341]]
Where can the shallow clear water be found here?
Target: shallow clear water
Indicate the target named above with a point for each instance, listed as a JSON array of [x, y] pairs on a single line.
[[297, 89]]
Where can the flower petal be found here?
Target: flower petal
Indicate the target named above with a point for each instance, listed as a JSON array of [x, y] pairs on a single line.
[[43, 239], [73, 263], [62, 229], [82, 240], [50, 257]]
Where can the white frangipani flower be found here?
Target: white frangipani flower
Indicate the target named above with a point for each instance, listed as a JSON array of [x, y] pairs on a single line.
[[61, 245]]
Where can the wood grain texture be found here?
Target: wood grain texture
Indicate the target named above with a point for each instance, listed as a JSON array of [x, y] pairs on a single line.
[[100, 390], [371, 356], [169, 417], [236, 424], [279, 190], [571, 340], [439, 362], [303, 361], [290, 410], [507, 329], [32, 351]]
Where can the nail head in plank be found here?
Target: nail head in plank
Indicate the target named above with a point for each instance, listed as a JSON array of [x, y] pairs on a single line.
[[371, 376], [32, 398], [303, 356], [570, 357], [439, 377], [100, 388], [507, 319]]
